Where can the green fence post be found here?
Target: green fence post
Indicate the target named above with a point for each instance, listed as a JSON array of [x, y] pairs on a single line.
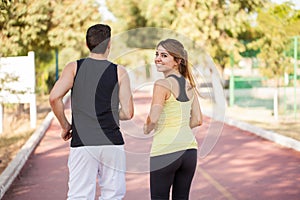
[[286, 81], [285, 84], [231, 83], [295, 74], [56, 64]]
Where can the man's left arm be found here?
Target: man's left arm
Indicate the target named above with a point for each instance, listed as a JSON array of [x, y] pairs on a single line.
[[126, 101]]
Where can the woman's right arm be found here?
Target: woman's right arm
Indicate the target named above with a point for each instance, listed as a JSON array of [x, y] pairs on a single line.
[[196, 114], [160, 93]]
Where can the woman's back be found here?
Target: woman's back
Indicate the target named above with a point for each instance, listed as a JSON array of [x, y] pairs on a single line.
[[173, 132]]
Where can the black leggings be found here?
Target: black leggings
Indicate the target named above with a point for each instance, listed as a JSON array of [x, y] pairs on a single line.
[[176, 170]]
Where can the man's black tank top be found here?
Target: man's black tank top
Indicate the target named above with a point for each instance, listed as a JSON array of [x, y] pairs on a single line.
[[95, 104]]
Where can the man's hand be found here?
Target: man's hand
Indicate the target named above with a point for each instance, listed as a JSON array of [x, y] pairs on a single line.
[[66, 134]]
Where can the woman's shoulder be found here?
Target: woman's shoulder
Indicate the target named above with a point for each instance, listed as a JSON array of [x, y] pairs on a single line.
[[164, 82]]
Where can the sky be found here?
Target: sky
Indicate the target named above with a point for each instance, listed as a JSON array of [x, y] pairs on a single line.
[[296, 2], [103, 9]]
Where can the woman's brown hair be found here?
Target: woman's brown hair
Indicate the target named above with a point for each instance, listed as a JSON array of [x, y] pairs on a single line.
[[176, 49]]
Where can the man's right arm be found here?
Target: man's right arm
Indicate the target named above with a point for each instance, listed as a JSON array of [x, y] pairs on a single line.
[[126, 101], [59, 90]]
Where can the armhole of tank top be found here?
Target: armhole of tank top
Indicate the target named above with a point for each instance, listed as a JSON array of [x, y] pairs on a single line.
[[116, 70], [179, 86], [171, 87], [184, 92], [78, 64], [194, 93]]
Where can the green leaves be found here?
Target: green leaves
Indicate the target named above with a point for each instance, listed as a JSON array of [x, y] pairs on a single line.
[[70, 20], [24, 26], [248, 27], [277, 25], [215, 24], [42, 26], [32, 24]]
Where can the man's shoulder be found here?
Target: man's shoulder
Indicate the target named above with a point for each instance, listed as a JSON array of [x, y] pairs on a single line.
[[71, 64], [121, 68]]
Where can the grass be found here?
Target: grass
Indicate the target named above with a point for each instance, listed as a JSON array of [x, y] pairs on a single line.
[[16, 128], [9, 147], [286, 125]]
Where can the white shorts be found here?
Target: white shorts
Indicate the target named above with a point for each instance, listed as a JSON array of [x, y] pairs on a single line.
[[89, 162]]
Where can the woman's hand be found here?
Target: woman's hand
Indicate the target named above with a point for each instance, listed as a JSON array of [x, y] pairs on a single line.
[[148, 126]]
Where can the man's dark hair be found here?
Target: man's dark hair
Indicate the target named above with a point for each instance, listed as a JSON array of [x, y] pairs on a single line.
[[97, 38]]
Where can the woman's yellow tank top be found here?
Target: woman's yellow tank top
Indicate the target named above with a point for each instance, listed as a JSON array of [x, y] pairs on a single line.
[[173, 132]]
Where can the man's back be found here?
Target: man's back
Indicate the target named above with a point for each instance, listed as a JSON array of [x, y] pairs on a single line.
[[101, 96], [95, 104]]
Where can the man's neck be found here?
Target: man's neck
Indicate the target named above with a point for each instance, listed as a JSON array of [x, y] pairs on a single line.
[[98, 56]]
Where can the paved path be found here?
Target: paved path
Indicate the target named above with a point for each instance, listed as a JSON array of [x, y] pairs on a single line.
[[240, 166]]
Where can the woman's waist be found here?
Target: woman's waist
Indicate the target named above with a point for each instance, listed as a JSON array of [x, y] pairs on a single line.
[[160, 149], [172, 127], [169, 135]]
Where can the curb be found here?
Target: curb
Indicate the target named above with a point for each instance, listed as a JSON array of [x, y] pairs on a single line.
[[14, 167], [266, 134]]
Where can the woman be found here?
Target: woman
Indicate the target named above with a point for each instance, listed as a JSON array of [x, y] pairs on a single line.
[[175, 110]]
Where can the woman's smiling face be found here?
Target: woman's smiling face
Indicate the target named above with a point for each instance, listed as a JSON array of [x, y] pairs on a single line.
[[163, 60]]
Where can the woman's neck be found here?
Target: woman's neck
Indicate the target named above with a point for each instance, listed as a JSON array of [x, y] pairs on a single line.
[[174, 72]]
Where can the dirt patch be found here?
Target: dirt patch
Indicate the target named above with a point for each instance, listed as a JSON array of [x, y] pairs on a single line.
[[16, 128], [287, 125]]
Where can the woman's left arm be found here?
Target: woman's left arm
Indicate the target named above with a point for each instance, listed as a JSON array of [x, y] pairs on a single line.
[[196, 113], [160, 93]]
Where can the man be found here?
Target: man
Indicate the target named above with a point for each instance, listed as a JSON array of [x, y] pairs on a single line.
[[100, 97]]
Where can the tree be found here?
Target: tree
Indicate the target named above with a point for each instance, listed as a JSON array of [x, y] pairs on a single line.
[[276, 24], [42, 26], [24, 26], [69, 22], [215, 24]]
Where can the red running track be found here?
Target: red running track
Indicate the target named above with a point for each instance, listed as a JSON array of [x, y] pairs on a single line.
[[241, 165]]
